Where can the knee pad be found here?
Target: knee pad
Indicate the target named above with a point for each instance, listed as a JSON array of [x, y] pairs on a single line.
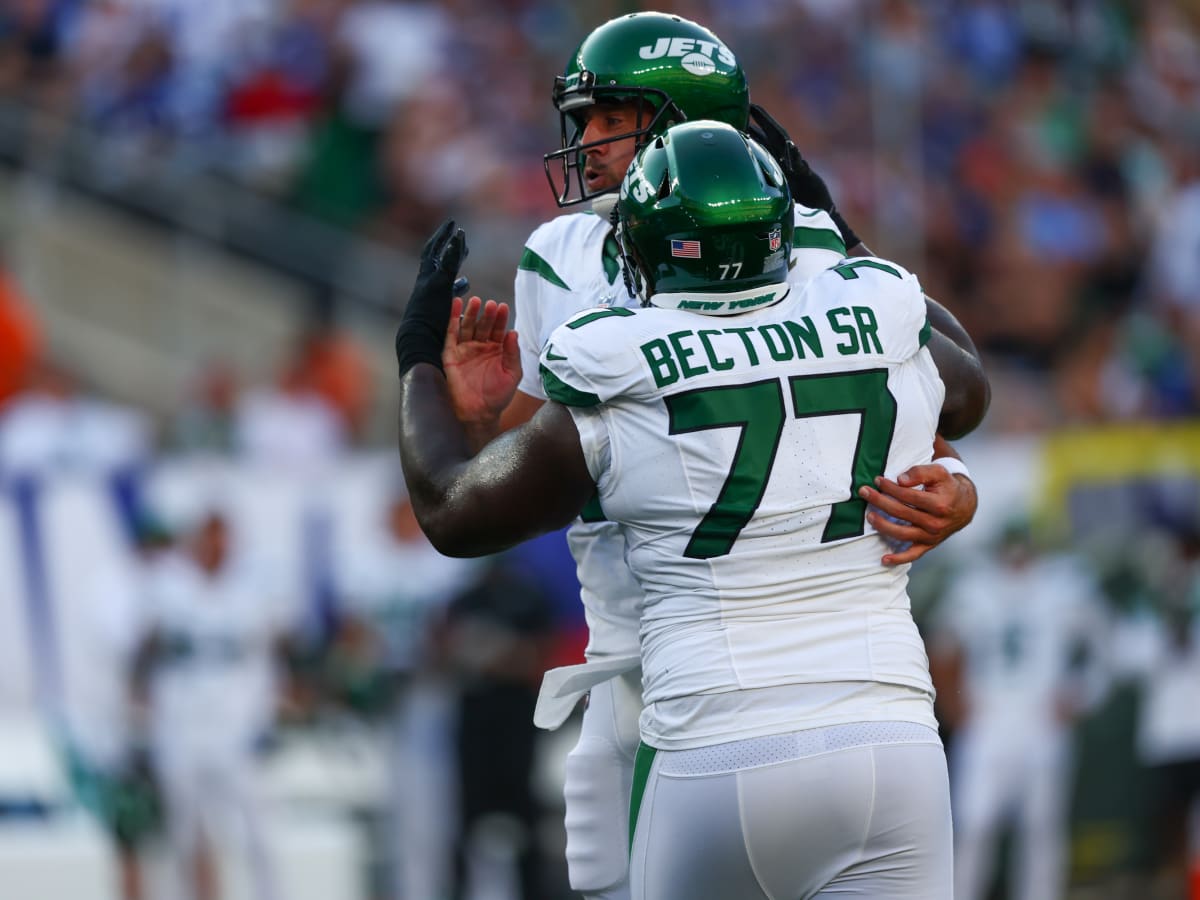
[[596, 785]]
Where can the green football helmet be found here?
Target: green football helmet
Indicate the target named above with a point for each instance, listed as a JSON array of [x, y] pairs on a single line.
[[705, 221], [673, 69]]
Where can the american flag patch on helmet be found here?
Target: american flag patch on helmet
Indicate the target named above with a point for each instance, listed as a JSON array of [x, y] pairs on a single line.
[[686, 249]]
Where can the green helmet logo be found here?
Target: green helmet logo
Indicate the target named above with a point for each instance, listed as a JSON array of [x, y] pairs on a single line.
[[673, 70], [705, 221], [699, 57]]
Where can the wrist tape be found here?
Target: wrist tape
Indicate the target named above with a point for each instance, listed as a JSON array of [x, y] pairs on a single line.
[[953, 465]]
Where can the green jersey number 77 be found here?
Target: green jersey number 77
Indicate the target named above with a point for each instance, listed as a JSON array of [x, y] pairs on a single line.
[[758, 409]]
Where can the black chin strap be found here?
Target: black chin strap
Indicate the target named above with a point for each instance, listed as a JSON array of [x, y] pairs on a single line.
[[626, 263]]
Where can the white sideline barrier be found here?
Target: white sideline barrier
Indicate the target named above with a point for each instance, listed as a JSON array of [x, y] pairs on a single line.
[[30, 767], [346, 770], [316, 857], [68, 856], [18, 677], [65, 854], [64, 857]]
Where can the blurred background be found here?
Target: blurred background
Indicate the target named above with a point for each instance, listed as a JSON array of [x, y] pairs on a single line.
[[217, 615]]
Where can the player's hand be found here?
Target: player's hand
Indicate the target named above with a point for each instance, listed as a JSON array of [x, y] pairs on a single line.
[[481, 360], [421, 330], [807, 187], [945, 504]]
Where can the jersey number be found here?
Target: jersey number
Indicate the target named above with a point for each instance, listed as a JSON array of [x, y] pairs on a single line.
[[757, 409]]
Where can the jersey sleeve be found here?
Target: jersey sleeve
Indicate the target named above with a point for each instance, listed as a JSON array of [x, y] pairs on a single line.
[[896, 300], [593, 439], [589, 359], [537, 289], [816, 244], [914, 330], [543, 293]]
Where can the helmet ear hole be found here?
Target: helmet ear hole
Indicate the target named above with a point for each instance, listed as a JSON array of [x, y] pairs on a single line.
[[664, 187]]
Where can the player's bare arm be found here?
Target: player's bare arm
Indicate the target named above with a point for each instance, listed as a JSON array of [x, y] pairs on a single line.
[[968, 393], [934, 503], [529, 481]]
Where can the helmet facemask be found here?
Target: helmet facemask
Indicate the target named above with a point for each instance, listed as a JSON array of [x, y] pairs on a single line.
[[565, 166]]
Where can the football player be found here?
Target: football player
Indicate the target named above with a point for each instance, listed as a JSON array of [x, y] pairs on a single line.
[[627, 81], [1017, 649], [789, 746]]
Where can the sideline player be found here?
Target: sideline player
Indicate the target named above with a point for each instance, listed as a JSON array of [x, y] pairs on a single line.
[[729, 431], [1017, 651], [618, 89]]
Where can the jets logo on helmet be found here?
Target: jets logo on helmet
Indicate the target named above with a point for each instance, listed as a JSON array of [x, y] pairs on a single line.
[[697, 56], [670, 69], [698, 65], [637, 185]]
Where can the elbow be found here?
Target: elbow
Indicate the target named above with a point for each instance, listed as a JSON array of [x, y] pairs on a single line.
[[451, 542], [445, 531], [443, 519], [453, 548], [965, 406], [968, 393], [451, 528], [956, 424]]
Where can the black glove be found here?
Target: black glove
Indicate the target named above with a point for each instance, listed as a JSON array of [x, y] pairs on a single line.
[[422, 332], [807, 187]]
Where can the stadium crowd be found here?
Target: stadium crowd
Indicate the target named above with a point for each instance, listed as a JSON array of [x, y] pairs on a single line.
[[1037, 163]]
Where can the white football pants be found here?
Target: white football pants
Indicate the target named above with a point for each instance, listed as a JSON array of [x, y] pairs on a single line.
[[217, 800], [596, 788], [858, 810]]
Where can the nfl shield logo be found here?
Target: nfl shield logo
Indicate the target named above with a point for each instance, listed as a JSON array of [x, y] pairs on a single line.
[[775, 238]]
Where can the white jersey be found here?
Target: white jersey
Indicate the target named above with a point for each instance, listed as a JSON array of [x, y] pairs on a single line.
[[213, 690], [398, 587], [570, 264], [729, 451], [1028, 633]]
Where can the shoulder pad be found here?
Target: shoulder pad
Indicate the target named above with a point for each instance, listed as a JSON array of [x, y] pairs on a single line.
[[588, 359]]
